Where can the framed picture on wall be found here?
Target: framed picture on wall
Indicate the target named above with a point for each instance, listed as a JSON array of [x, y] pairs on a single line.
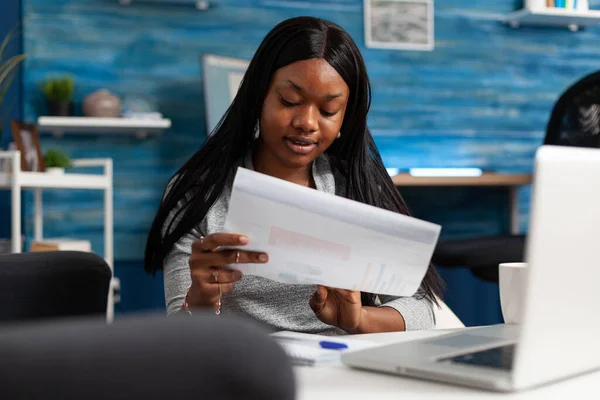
[[399, 24], [222, 77], [27, 139]]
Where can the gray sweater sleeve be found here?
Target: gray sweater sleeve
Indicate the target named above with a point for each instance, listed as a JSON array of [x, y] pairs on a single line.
[[177, 272], [417, 311], [176, 269]]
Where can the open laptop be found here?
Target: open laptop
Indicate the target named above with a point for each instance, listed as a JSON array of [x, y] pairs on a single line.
[[559, 336]]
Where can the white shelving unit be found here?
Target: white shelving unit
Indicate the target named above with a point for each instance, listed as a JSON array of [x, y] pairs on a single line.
[[18, 180], [572, 19], [142, 128], [537, 13]]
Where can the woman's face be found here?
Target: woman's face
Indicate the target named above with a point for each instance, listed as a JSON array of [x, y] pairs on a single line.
[[303, 112]]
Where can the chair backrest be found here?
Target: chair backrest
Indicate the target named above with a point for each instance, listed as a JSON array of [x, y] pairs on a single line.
[[52, 284], [144, 357], [575, 118]]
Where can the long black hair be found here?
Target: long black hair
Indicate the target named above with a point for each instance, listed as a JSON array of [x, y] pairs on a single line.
[[196, 186]]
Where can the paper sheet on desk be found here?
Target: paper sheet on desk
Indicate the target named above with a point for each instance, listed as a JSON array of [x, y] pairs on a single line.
[[304, 349], [314, 237]]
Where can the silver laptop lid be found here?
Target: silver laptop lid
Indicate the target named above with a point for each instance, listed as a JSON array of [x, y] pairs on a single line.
[[560, 334]]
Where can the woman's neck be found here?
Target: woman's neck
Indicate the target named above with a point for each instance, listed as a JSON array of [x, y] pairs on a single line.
[[264, 163]]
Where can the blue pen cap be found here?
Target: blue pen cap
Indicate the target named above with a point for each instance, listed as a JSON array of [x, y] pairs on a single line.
[[333, 345]]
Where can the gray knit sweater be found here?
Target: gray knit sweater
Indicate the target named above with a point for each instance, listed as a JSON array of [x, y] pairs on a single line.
[[279, 306]]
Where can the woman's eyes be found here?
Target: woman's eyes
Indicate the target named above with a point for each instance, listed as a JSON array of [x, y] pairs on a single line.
[[288, 103], [292, 104]]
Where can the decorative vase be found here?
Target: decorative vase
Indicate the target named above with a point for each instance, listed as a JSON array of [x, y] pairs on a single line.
[[60, 108], [102, 103], [55, 171]]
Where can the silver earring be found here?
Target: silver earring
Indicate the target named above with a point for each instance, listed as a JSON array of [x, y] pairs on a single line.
[[257, 130], [339, 135]]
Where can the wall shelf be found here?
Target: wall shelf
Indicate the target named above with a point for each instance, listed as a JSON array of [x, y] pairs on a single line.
[[198, 4], [559, 17], [142, 128]]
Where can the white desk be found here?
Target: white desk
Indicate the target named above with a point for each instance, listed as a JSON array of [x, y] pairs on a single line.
[[336, 381]]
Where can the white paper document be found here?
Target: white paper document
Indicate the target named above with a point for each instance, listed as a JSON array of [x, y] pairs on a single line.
[[314, 237], [305, 349]]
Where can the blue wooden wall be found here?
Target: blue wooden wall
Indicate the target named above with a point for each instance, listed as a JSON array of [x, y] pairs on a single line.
[[481, 98], [9, 19]]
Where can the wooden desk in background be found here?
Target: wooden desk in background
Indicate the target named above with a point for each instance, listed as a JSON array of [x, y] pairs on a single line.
[[511, 181]]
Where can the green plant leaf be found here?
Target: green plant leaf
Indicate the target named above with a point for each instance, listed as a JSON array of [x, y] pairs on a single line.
[[58, 89], [9, 36], [7, 67], [55, 158], [5, 85], [7, 71]]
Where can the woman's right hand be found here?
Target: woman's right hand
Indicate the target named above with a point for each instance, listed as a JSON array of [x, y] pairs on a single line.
[[207, 267]]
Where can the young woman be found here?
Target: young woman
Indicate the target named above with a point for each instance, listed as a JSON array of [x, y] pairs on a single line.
[[300, 115]]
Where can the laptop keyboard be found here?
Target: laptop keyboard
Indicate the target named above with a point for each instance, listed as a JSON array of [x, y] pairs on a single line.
[[497, 357]]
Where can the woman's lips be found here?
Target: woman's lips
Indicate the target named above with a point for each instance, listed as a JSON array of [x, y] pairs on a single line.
[[300, 145]]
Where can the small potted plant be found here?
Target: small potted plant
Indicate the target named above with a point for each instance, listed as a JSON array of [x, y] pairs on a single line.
[[59, 95], [56, 161]]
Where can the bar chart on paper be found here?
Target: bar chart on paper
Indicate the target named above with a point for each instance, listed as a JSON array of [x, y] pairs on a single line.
[[380, 279]]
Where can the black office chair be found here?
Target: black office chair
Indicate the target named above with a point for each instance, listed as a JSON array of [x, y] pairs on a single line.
[[575, 121], [54, 284]]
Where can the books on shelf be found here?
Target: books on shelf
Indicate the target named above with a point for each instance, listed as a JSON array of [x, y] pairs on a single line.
[[568, 4], [60, 244], [555, 13]]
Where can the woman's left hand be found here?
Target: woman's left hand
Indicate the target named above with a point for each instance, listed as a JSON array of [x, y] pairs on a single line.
[[338, 307]]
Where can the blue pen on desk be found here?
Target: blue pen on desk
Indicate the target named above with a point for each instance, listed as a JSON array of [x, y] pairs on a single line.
[[325, 344], [332, 345]]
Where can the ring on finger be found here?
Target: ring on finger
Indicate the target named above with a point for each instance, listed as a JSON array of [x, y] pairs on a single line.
[[216, 275], [237, 257], [202, 247]]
